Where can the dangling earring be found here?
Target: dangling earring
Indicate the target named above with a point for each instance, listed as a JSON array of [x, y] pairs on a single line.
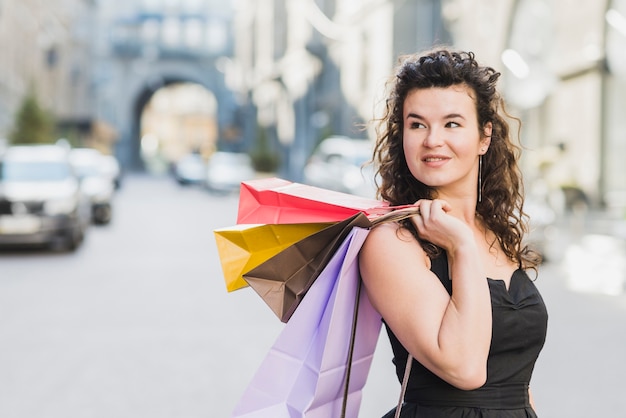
[[480, 178]]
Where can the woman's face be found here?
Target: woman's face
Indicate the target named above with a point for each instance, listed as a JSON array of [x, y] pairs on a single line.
[[442, 140]]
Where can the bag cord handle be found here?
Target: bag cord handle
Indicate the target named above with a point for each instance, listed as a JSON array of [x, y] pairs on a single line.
[[346, 387], [405, 381], [396, 215], [407, 368]]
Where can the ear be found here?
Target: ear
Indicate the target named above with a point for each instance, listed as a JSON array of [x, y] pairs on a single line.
[[485, 141]]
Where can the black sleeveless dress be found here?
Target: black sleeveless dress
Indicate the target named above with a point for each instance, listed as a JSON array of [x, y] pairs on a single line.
[[519, 331]]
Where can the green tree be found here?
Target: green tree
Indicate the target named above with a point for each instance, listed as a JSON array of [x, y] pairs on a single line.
[[263, 158], [33, 125]]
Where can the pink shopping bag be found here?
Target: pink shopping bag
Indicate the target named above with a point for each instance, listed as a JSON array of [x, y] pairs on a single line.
[[275, 201]]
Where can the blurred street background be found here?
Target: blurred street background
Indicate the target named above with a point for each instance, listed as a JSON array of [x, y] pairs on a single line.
[[127, 126]]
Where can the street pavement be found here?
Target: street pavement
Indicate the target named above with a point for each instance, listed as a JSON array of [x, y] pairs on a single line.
[[137, 323]]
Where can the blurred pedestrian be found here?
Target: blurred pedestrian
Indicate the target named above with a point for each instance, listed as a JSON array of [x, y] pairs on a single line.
[[451, 282]]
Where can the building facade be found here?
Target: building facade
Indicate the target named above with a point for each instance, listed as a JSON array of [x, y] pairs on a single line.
[[142, 46], [308, 69], [288, 73], [46, 46]]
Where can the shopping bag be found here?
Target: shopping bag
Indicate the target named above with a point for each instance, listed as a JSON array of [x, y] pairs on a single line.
[[243, 247], [304, 373], [274, 201], [283, 280]]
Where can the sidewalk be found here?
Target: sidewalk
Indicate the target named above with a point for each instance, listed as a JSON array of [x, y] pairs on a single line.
[[590, 250], [571, 228]]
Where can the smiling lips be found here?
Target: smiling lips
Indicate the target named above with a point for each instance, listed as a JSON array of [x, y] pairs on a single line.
[[434, 159]]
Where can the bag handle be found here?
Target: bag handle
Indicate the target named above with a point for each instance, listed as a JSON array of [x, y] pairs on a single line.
[[405, 382], [399, 213], [381, 210], [346, 387]]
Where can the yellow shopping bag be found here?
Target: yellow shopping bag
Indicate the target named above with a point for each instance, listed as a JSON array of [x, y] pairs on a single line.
[[244, 246]]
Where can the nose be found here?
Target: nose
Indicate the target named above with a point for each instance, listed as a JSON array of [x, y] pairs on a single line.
[[434, 137]]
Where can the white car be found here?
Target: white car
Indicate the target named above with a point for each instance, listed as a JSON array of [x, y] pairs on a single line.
[[112, 169], [338, 164], [97, 181], [190, 169], [41, 202], [226, 170]]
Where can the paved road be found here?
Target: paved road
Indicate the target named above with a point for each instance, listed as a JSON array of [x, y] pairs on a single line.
[[137, 323]]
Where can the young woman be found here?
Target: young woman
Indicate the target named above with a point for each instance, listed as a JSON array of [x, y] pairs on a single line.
[[451, 282]]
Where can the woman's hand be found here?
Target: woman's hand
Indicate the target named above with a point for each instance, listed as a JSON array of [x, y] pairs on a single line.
[[436, 225]]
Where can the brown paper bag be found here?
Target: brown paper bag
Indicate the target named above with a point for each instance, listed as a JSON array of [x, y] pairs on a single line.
[[283, 280]]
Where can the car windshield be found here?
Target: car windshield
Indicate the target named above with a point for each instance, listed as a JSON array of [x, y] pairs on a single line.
[[229, 158], [85, 169], [33, 171], [358, 159]]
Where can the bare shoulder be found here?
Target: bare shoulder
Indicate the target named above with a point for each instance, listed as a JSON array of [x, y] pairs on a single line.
[[396, 273], [385, 235], [389, 246]]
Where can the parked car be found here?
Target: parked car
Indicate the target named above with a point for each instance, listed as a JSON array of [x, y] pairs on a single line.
[[96, 182], [190, 169], [41, 202], [541, 222], [226, 170], [338, 164], [112, 169]]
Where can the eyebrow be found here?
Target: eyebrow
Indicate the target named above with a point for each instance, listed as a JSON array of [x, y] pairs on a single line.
[[450, 116]]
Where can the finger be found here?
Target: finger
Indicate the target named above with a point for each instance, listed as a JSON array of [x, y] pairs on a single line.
[[425, 208], [445, 206], [418, 222], [418, 219], [419, 208]]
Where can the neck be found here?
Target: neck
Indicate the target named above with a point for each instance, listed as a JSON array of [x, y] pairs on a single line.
[[463, 207]]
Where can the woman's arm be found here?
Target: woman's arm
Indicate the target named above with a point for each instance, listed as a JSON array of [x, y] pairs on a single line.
[[449, 335]]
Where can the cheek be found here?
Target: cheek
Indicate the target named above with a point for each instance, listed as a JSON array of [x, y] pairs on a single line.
[[411, 154], [407, 149], [411, 145]]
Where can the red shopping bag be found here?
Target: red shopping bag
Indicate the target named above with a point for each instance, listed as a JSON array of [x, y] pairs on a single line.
[[276, 201]]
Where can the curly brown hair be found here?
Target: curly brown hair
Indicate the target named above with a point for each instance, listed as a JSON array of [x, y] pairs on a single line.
[[501, 206]]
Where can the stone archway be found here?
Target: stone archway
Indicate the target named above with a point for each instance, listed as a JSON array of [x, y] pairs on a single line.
[[136, 88], [177, 120]]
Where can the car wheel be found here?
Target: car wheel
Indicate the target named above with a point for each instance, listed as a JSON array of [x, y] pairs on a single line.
[[102, 215], [69, 241]]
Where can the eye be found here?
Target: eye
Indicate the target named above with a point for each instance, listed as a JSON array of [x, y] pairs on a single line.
[[452, 124], [416, 125]]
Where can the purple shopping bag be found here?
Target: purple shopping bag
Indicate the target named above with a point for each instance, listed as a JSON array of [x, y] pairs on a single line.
[[303, 374]]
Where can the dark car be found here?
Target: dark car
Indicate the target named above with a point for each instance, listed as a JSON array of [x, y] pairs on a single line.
[[41, 202]]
